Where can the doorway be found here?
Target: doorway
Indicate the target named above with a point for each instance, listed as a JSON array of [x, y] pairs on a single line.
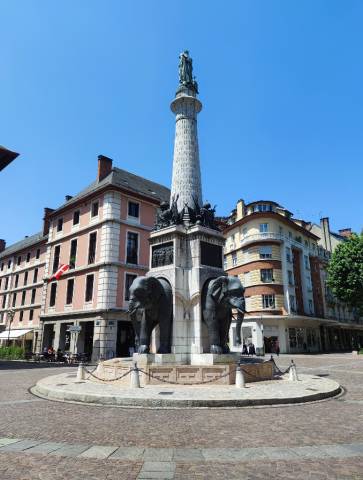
[[271, 344], [125, 342]]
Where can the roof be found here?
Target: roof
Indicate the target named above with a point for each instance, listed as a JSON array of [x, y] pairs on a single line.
[[6, 157], [264, 201], [23, 244], [125, 180]]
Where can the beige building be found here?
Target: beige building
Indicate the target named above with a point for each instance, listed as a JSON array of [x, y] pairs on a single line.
[[281, 261]]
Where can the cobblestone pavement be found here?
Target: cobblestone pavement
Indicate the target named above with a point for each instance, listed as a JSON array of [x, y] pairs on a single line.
[[312, 441]]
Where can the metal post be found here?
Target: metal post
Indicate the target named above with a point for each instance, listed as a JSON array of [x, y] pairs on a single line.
[[293, 373], [135, 378], [81, 374], [240, 379], [10, 315]]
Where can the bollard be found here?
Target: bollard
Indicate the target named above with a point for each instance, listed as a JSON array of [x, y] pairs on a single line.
[[135, 378], [81, 373], [293, 373], [240, 379]]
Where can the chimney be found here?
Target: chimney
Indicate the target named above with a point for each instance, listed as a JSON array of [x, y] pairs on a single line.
[[46, 221], [325, 231], [68, 197], [345, 232], [2, 245], [104, 167], [240, 209]]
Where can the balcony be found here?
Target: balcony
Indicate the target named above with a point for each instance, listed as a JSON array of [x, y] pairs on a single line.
[[262, 237]]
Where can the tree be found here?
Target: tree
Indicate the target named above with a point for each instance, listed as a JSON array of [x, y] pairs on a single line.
[[345, 272]]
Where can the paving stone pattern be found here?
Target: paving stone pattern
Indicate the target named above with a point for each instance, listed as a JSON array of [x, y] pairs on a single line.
[[55, 441]]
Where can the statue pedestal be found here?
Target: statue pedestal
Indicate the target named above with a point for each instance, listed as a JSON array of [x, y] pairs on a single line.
[[214, 359], [187, 257], [154, 359]]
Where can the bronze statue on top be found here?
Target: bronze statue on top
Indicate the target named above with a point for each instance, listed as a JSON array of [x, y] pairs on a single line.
[[186, 78]]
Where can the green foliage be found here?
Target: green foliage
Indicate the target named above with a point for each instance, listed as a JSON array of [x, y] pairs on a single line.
[[12, 353], [345, 272]]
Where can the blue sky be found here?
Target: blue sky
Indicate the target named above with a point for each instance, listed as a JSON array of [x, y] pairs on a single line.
[[281, 84]]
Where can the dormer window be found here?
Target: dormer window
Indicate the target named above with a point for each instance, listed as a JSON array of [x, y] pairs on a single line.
[[60, 224]]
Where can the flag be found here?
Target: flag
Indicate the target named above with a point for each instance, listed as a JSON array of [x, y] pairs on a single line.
[[62, 269]]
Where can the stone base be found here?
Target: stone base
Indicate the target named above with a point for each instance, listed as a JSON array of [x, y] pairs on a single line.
[[154, 373], [214, 358], [66, 388], [154, 358]]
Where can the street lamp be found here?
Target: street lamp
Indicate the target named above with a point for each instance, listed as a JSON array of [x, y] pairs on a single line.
[[10, 317]]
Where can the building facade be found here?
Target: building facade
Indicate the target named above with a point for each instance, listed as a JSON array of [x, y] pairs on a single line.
[[21, 283], [282, 263], [102, 234]]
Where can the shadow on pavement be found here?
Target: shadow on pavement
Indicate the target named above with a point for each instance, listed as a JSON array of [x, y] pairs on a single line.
[[18, 365]]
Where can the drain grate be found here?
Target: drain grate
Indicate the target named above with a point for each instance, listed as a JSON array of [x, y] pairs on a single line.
[[61, 384], [79, 382], [166, 393], [312, 389]]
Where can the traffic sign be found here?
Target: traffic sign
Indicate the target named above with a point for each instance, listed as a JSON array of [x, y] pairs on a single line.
[[75, 328]]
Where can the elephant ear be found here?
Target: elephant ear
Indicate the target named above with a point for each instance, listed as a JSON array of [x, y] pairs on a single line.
[[218, 289]]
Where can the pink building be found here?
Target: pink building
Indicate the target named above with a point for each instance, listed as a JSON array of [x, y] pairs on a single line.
[[21, 283], [102, 233]]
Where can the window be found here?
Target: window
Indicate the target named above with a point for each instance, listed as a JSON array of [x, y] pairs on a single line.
[[26, 278], [19, 260], [21, 314], [244, 232], [23, 294], [1, 282], [6, 283], [290, 277], [281, 231], [132, 247], [246, 278], [14, 299], [73, 254], [31, 315], [92, 247], [267, 275], [56, 258], [9, 264], [28, 257], [4, 301], [292, 303], [53, 294], [266, 251], [2, 267], [263, 227], [225, 263], [38, 254], [70, 288], [268, 301], [234, 259], [89, 288], [128, 281], [311, 309], [306, 262], [76, 215], [133, 210], [288, 254], [33, 296], [60, 224], [35, 276], [94, 211], [16, 280]]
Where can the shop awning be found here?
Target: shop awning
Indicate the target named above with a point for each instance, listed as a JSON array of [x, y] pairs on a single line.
[[13, 334]]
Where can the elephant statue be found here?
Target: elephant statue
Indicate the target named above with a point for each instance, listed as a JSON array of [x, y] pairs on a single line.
[[150, 305], [219, 297]]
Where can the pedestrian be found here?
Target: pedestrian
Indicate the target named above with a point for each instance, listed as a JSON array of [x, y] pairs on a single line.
[[277, 349], [251, 349], [244, 349]]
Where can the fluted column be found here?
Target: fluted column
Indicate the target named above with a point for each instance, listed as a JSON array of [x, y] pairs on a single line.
[[186, 181]]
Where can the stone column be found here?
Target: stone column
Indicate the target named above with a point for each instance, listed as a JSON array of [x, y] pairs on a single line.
[[186, 181]]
